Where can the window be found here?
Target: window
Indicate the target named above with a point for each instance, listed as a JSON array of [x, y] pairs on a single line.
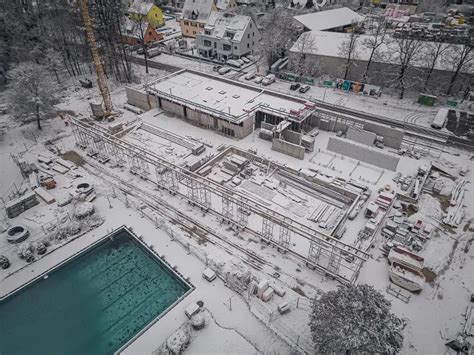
[[250, 24], [229, 34], [215, 44], [248, 36], [186, 23], [207, 43], [253, 34], [156, 15], [248, 45], [253, 44], [226, 47], [201, 25], [150, 33], [207, 32], [235, 47]]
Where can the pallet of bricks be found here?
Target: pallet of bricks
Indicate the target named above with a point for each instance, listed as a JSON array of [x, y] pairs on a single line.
[[18, 206]]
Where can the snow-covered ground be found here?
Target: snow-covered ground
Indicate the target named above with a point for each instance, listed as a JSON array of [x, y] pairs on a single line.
[[235, 324]]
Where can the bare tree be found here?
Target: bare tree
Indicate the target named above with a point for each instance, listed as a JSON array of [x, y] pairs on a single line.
[[432, 54], [139, 28], [405, 52], [32, 94], [349, 49], [461, 58], [373, 43], [278, 34], [305, 45]]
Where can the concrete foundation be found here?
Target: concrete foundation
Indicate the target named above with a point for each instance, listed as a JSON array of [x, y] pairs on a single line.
[[290, 149], [363, 153], [361, 136]]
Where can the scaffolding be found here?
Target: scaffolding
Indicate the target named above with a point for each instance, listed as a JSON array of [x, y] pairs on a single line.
[[326, 254]]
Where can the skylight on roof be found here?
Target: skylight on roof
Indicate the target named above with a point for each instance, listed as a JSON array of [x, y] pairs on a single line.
[[222, 92], [235, 96], [209, 88]]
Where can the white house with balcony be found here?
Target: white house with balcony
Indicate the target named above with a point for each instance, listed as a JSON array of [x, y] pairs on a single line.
[[228, 36]]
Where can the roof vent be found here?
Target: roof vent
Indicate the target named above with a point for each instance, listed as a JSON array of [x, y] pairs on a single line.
[[222, 92]]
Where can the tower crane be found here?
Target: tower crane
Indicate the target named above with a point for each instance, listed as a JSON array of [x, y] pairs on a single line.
[[101, 81]]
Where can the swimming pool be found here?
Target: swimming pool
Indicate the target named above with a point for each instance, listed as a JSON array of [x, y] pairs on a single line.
[[93, 303]]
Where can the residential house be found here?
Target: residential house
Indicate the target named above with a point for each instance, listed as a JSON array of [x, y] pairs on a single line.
[[146, 11], [223, 5], [195, 15], [228, 36], [133, 33]]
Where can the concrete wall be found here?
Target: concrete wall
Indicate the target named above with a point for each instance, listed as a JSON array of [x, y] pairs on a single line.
[[199, 118], [291, 149], [392, 137], [138, 98], [240, 130], [173, 108], [360, 152], [360, 136], [292, 137]]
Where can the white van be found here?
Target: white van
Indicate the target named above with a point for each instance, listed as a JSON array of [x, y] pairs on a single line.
[[270, 78]]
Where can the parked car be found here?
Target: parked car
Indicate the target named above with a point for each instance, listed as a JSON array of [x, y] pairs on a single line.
[[258, 80], [240, 61], [216, 67], [234, 63], [304, 88], [294, 86], [270, 78], [140, 51], [246, 60], [249, 76], [153, 52], [224, 70]]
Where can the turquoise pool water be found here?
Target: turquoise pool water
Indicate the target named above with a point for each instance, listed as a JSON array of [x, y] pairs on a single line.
[[93, 304]]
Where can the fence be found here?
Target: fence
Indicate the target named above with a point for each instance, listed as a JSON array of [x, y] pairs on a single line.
[[298, 339]]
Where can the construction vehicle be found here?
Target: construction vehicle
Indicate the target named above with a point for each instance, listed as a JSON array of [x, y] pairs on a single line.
[[101, 80]]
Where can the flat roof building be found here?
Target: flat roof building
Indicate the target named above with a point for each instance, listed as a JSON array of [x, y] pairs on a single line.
[[230, 107], [328, 20]]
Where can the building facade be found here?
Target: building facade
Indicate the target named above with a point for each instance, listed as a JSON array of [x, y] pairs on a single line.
[[195, 15], [228, 36], [141, 11]]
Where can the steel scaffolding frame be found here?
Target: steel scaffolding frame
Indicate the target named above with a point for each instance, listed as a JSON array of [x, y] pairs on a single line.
[[242, 216], [347, 270], [267, 230], [284, 238], [227, 209]]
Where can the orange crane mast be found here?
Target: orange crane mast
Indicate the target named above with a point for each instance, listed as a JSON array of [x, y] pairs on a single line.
[[101, 81]]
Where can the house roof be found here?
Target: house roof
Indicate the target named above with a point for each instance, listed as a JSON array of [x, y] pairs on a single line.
[[219, 23], [132, 29], [329, 44], [325, 20], [140, 7], [198, 10], [222, 4]]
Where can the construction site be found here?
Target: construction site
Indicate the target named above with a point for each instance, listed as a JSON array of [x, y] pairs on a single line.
[[197, 213]]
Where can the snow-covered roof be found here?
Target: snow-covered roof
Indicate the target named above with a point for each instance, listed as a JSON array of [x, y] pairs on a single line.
[[325, 20], [222, 4], [140, 7], [329, 44], [132, 29], [198, 10], [221, 24], [225, 98]]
